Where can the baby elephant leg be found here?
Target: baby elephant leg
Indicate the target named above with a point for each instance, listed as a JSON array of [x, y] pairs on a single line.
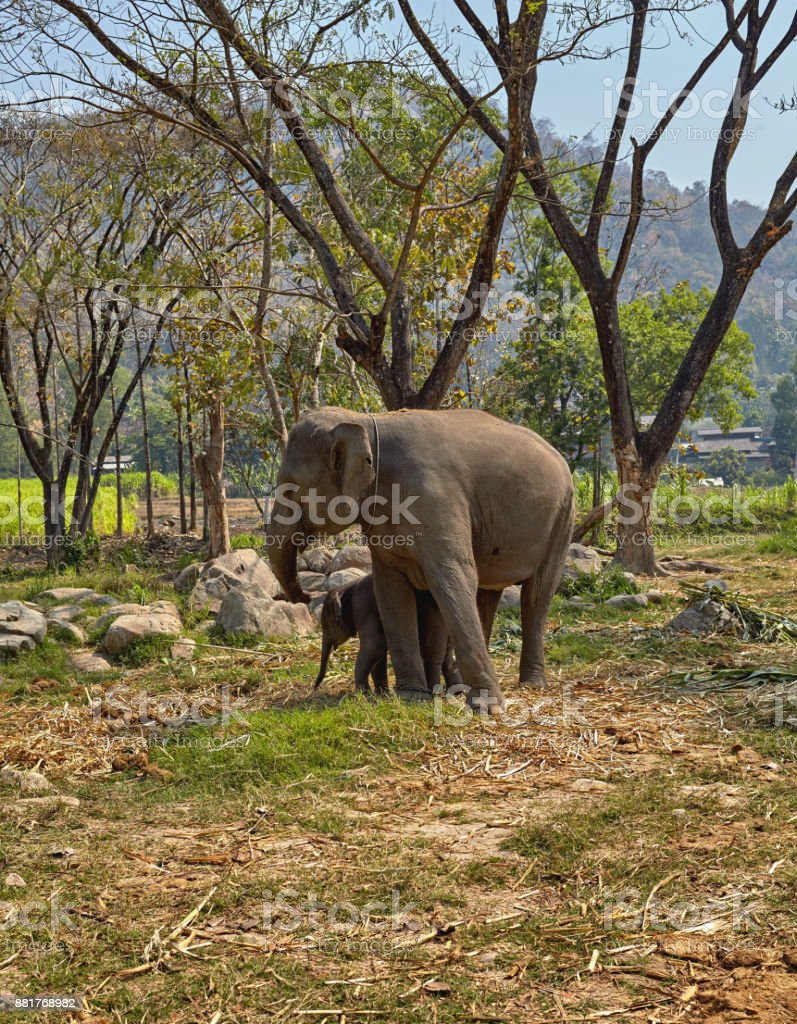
[[369, 658], [436, 651], [379, 675]]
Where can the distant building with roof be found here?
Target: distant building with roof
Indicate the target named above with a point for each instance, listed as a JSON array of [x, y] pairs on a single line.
[[706, 438]]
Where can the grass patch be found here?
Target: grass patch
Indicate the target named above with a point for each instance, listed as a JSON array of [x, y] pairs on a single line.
[[312, 744]]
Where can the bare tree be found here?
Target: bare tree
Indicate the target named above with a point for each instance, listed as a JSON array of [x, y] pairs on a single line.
[[640, 454], [186, 57]]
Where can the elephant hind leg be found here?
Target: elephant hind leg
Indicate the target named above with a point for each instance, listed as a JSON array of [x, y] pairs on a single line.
[[487, 602], [536, 594]]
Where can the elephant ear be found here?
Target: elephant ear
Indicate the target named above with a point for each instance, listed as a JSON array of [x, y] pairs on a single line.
[[351, 459]]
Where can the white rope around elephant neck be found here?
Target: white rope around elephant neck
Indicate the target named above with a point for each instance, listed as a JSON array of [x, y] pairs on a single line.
[[376, 445]]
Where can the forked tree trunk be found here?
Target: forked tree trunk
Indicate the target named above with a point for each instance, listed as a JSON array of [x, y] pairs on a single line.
[[209, 466], [636, 488]]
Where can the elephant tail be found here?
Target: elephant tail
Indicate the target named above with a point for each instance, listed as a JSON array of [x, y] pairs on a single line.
[[326, 649]]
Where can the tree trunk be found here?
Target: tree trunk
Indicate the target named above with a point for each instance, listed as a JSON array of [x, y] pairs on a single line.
[[636, 487], [210, 470], [189, 435], [118, 471], [147, 455], [54, 523], [181, 463]]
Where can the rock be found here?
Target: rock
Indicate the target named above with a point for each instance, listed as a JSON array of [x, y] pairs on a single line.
[[102, 600], [221, 575], [17, 619], [627, 601], [160, 619], [120, 609], [247, 610], [581, 560], [312, 582], [510, 598], [183, 649], [343, 578], [25, 781], [352, 556], [11, 646], [318, 560], [315, 606], [186, 578], [14, 881], [67, 630], [655, 596], [716, 584], [65, 612], [299, 616], [630, 577], [44, 806], [90, 661], [705, 617], [61, 594]]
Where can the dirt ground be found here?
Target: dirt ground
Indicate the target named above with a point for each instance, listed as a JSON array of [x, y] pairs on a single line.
[[221, 845]]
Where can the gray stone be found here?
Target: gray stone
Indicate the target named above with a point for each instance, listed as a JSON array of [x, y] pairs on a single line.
[[26, 781], [183, 649], [120, 609], [72, 594], [716, 584], [343, 578], [101, 600], [160, 619], [627, 601], [312, 582], [66, 612], [510, 598], [221, 575], [580, 560], [186, 578], [655, 596], [317, 560], [315, 606], [246, 610], [17, 619], [705, 617], [299, 616], [90, 661], [352, 556], [12, 644], [66, 629]]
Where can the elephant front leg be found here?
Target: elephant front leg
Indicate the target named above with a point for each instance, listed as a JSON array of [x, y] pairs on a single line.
[[454, 586], [395, 598]]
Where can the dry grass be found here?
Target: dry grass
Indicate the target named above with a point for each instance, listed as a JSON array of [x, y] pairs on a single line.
[[619, 851]]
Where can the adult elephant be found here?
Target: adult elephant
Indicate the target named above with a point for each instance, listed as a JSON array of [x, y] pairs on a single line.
[[453, 501]]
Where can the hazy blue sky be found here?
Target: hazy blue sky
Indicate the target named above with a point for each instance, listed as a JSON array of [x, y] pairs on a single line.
[[574, 97]]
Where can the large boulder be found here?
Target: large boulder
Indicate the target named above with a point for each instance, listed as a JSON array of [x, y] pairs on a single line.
[[185, 580], [352, 556], [220, 576], [18, 620], [246, 610], [312, 582], [510, 597], [580, 560], [63, 594], [343, 577], [160, 619], [131, 608], [317, 559]]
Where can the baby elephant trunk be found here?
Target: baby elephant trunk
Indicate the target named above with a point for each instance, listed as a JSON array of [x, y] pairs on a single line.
[[326, 649]]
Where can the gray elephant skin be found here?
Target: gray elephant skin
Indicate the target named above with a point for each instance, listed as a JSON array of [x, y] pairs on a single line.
[[469, 502], [352, 611]]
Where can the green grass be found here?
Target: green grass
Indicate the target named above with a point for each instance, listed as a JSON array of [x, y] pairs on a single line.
[[32, 510], [134, 484], [311, 744], [784, 542]]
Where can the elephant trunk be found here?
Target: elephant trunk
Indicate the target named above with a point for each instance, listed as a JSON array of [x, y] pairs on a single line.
[[326, 649], [283, 550]]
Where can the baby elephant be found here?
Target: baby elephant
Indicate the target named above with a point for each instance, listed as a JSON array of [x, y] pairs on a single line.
[[352, 611]]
